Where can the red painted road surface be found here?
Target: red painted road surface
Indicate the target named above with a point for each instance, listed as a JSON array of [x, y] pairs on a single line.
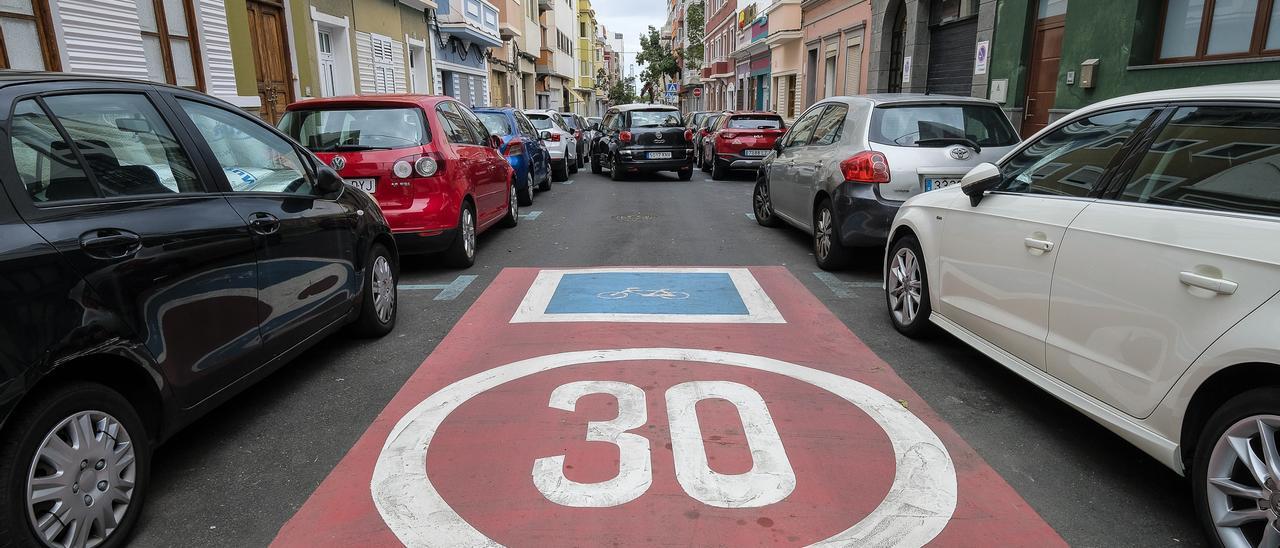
[[814, 465]]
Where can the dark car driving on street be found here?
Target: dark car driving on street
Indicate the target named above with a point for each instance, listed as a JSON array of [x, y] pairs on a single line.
[[160, 250], [643, 138]]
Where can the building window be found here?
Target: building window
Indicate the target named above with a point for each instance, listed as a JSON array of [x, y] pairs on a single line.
[[384, 66], [1219, 29], [169, 41], [26, 36]]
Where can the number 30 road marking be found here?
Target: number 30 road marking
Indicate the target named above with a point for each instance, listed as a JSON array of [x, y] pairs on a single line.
[[917, 507], [770, 479]]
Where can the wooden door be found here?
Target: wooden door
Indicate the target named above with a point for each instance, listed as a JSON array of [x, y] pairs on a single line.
[[1042, 80], [271, 57]]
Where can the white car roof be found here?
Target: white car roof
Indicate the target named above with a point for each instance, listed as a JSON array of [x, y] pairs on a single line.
[[1252, 91]]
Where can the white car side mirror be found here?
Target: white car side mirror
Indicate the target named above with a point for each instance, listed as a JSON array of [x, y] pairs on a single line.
[[979, 180]]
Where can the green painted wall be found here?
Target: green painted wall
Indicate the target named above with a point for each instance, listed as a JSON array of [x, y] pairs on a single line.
[[241, 48], [307, 69], [1121, 35], [380, 17]]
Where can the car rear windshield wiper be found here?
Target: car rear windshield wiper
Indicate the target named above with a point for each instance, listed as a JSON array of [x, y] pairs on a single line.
[[950, 141], [351, 148]]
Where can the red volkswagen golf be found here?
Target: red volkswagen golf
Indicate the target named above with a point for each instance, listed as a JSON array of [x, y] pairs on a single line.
[[430, 163]]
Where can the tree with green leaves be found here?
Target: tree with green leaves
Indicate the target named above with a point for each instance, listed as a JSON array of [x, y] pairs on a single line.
[[622, 91], [658, 61], [695, 18]]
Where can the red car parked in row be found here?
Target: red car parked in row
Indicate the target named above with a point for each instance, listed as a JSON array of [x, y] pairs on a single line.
[[432, 166], [741, 140]]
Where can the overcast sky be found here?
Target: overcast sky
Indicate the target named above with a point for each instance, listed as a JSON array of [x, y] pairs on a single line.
[[632, 18]]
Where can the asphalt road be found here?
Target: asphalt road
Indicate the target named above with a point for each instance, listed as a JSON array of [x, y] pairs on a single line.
[[234, 477]]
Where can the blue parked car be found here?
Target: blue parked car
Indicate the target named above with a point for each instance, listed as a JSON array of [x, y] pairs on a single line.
[[522, 146]]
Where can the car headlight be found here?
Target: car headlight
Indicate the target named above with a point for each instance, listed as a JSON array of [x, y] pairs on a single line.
[[402, 169]]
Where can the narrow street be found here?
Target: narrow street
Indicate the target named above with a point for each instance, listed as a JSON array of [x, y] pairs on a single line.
[[237, 476]]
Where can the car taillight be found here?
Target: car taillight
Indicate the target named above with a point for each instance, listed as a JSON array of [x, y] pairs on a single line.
[[426, 166], [555, 137], [625, 136], [577, 133], [515, 148], [866, 167], [688, 135], [403, 168]]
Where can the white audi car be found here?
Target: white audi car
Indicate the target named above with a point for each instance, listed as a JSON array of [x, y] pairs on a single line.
[[1126, 259]]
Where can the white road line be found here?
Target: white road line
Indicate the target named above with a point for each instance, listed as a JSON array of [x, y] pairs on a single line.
[[448, 292], [843, 289], [530, 216], [751, 216], [569, 182], [917, 507]]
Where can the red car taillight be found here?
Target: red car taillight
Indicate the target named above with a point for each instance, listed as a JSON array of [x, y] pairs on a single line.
[[555, 137], [688, 135], [625, 136], [577, 134], [866, 167], [515, 148]]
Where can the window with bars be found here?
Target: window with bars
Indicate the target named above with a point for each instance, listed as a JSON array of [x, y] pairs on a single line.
[[26, 36], [170, 43], [1218, 29]]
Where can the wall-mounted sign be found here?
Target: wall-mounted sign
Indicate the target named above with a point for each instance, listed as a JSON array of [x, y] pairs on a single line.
[[747, 16], [980, 57], [906, 69]]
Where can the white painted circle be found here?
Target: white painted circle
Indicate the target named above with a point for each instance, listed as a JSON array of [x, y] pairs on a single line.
[[917, 507]]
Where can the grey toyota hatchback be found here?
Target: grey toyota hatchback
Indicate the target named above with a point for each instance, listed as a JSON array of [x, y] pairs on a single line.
[[849, 162]]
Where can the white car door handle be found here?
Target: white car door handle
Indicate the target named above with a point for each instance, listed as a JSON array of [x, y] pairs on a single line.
[[1216, 285], [1042, 245]]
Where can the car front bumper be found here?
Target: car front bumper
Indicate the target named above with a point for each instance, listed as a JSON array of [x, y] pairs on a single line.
[[863, 217]]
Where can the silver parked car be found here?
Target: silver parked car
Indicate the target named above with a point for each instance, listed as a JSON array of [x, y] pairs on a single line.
[[847, 163]]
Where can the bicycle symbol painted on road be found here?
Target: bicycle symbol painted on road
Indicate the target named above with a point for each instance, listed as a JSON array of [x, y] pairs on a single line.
[[664, 293]]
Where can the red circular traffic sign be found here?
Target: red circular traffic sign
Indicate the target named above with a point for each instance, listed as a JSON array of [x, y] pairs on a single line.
[[697, 92], [656, 446]]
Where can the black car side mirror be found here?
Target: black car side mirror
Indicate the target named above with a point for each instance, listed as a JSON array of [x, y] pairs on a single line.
[[979, 180], [544, 135], [327, 180], [779, 145]]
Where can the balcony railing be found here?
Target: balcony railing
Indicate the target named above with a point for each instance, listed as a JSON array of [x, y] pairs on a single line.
[[471, 20]]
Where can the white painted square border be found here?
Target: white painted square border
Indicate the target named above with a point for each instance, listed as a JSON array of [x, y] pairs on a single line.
[[760, 308]]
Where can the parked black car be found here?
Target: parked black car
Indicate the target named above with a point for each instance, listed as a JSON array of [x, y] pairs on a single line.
[[160, 251], [643, 138]]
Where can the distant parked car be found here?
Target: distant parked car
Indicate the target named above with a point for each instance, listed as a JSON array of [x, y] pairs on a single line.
[[742, 140], [579, 126], [644, 138], [523, 148], [1125, 260], [700, 141], [849, 162], [561, 141], [693, 120], [160, 251], [592, 134], [433, 167]]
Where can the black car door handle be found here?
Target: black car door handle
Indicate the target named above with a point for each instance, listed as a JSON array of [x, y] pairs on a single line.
[[264, 223], [110, 243]]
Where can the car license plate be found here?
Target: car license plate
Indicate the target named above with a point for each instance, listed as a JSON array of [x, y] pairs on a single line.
[[757, 153], [935, 184], [366, 185], [659, 155]]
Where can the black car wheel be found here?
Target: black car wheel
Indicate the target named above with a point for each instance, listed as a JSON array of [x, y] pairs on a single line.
[[559, 172], [706, 162], [1231, 472], [615, 170], [829, 251], [75, 467], [525, 195], [719, 170], [462, 252], [378, 306], [595, 166], [907, 288], [762, 204], [686, 173]]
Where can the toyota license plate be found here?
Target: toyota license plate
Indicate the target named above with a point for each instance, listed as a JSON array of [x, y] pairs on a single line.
[[659, 155], [367, 185], [935, 184], [756, 153]]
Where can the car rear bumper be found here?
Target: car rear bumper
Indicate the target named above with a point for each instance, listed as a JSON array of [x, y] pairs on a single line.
[[741, 162], [863, 217], [418, 243], [633, 160]]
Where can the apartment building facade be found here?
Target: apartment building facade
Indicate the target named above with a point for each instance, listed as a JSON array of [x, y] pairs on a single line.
[[511, 71], [584, 89], [555, 67], [721, 40]]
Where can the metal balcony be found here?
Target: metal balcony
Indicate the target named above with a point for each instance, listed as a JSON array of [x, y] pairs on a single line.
[[474, 21]]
